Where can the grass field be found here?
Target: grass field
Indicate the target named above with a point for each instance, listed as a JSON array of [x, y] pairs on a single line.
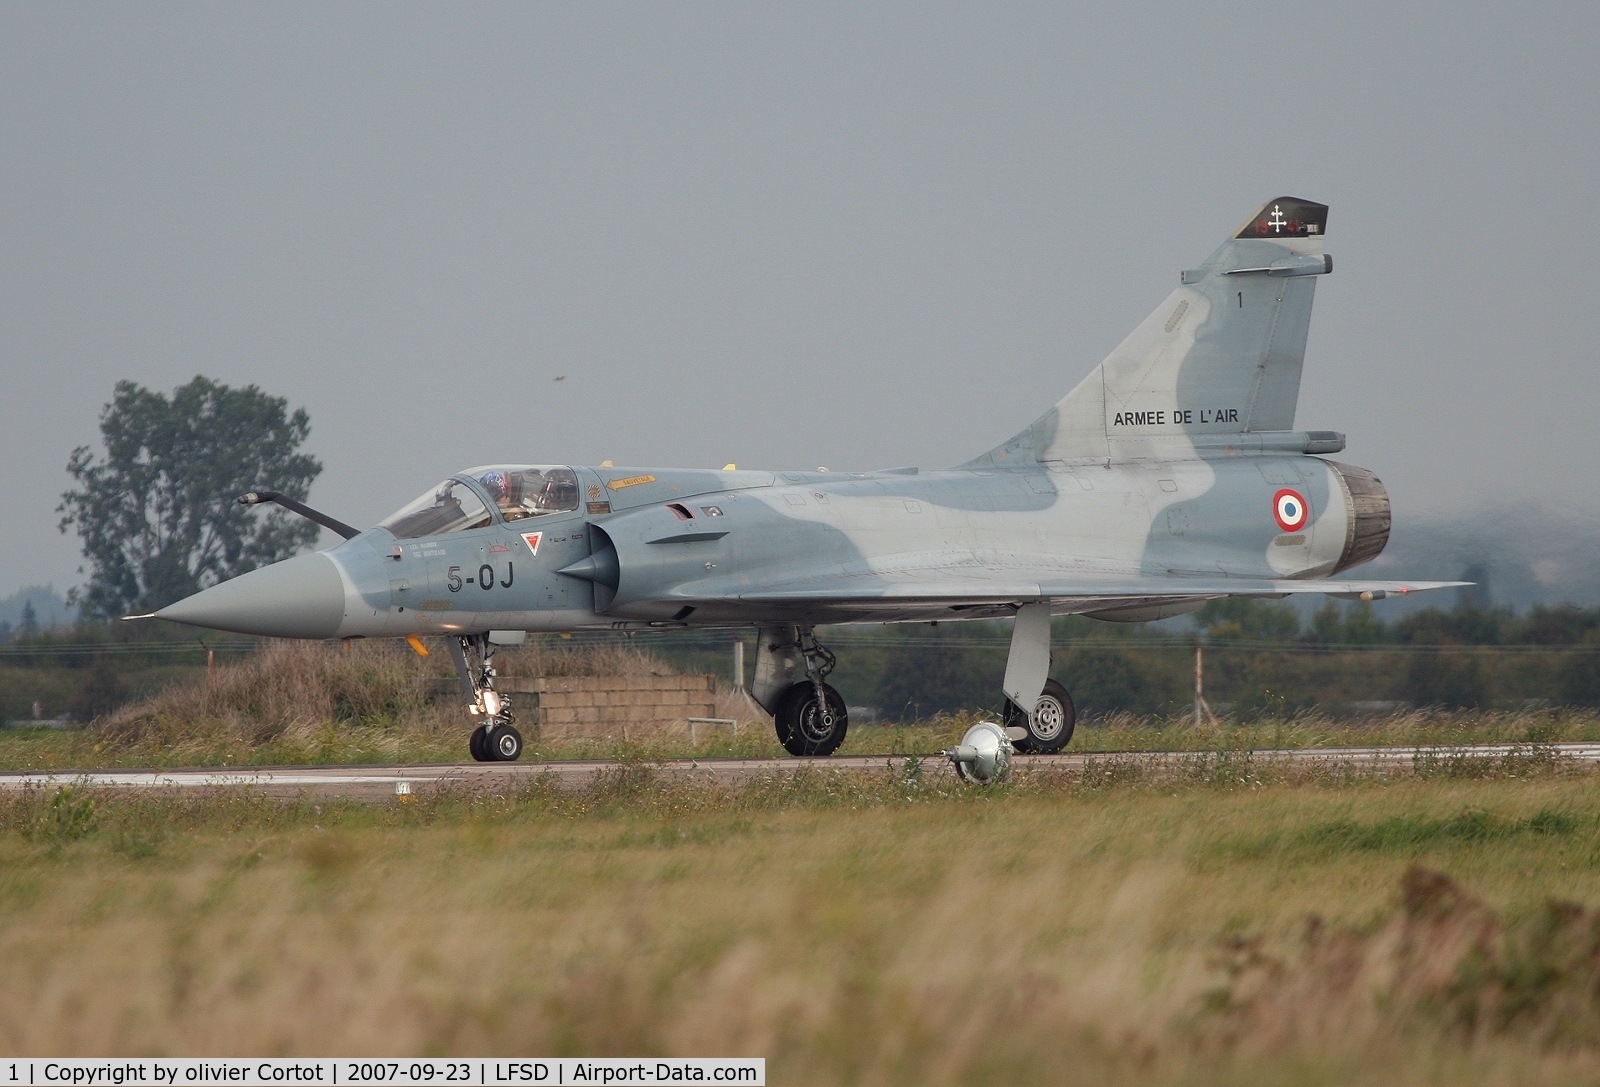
[[852, 930], [1222, 920], [443, 738], [298, 703]]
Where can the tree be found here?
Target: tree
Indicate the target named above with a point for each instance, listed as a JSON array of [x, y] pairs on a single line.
[[99, 692], [1354, 624], [158, 516], [1452, 678], [1580, 675], [1103, 681], [1238, 618], [919, 680]]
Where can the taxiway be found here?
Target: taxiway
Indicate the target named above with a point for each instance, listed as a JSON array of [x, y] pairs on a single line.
[[371, 783]]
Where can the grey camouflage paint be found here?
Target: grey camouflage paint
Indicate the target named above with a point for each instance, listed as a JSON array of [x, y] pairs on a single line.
[[1146, 491]]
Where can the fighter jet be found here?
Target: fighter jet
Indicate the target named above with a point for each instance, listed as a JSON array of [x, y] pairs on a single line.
[[1171, 475]]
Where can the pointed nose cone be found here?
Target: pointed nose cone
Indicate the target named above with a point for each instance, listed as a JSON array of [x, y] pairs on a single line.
[[302, 597]]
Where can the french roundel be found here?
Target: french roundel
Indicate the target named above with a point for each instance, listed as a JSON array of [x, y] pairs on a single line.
[[1289, 508]]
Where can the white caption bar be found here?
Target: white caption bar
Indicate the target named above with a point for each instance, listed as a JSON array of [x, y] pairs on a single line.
[[365, 1071]]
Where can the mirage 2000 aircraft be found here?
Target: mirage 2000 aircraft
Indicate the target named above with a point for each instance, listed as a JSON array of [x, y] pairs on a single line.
[[1172, 475]]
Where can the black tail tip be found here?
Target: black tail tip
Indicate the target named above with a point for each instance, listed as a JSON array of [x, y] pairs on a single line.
[[1287, 217]]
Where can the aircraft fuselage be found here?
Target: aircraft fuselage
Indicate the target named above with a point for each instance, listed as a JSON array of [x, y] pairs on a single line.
[[680, 546]]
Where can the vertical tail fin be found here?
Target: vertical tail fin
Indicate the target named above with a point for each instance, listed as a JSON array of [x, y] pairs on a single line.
[[1221, 356]]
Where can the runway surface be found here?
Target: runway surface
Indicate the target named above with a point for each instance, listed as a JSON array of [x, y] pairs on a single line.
[[386, 782]]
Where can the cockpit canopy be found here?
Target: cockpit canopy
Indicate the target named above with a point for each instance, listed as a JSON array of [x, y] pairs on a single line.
[[528, 490], [452, 506], [518, 491]]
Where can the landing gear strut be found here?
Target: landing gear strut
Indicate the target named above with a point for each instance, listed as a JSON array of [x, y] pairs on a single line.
[[496, 740], [1040, 715], [810, 716]]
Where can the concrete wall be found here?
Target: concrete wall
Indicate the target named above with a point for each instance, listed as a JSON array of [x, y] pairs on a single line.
[[609, 707]]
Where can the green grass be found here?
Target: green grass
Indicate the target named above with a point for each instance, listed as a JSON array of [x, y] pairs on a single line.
[[297, 703], [859, 929], [1403, 835], [439, 737], [1219, 918]]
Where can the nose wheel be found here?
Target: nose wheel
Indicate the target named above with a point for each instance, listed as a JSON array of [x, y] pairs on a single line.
[[496, 740], [504, 744]]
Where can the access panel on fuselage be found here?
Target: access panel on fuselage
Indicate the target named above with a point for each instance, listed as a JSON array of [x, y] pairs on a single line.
[[548, 543]]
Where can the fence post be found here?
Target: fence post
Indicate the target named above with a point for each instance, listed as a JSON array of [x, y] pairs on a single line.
[[1200, 703]]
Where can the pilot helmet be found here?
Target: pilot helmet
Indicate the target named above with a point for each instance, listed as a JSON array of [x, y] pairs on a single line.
[[497, 485]]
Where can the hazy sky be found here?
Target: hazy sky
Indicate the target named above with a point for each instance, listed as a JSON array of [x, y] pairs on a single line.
[[787, 236]]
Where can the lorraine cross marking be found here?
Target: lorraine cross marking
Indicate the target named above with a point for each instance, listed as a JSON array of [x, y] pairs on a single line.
[[1277, 219]]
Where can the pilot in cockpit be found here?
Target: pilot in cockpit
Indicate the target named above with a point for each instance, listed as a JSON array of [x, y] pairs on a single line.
[[531, 491], [502, 487]]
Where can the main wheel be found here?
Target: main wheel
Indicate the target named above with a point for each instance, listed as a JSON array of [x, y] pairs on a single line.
[[504, 744], [1050, 724], [475, 745], [802, 728]]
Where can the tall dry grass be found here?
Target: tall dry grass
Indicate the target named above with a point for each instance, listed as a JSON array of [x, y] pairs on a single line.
[[285, 687], [853, 932], [290, 685], [296, 702], [1422, 727], [1442, 962], [379, 702]]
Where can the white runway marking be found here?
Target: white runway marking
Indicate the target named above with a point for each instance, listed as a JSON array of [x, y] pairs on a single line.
[[376, 782]]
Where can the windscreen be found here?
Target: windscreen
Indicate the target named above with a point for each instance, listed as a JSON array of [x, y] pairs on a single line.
[[528, 490], [450, 507]]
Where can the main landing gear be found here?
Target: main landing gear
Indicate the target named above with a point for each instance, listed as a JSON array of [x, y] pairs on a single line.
[[1040, 715], [810, 715], [497, 739], [1049, 726]]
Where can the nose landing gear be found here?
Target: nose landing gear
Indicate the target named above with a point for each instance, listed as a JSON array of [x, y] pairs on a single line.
[[497, 739], [504, 744]]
